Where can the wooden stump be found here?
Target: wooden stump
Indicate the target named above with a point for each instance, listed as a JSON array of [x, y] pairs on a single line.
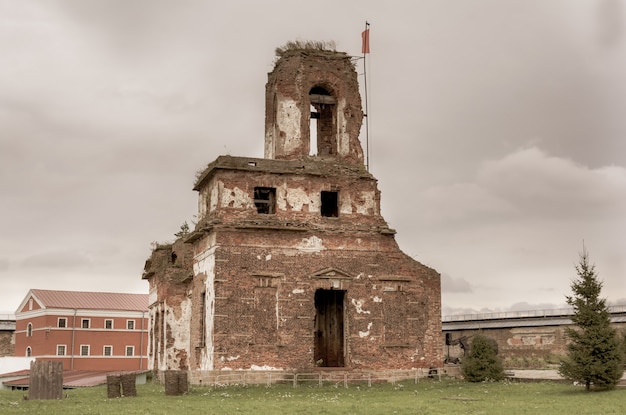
[[183, 382], [114, 386], [176, 382], [121, 384], [129, 388], [46, 380]]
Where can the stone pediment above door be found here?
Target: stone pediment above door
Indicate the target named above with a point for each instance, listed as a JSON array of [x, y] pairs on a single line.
[[332, 273]]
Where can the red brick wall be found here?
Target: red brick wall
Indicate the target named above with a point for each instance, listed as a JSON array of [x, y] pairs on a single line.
[[7, 343], [294, 74], [522, 346], [404, 326], [46, 335]]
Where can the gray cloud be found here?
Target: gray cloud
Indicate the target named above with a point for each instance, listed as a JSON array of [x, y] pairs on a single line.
[[498, 149], [610, 22], [454, 285], [537, 183], [529, 183], [56, 260]]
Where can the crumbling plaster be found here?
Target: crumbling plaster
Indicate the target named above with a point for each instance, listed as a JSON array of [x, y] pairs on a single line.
[[204, 265], [287, 119], [288, 123], [292, 195], [259, 277], [343, 133]]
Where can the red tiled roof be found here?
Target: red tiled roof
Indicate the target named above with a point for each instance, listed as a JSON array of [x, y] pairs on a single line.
[[92, 300], [16, 373]]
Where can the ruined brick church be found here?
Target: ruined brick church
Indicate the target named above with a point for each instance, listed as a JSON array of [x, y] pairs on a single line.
[[291, 265]]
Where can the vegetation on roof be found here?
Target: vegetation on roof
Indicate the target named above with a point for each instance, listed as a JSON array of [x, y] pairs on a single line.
[[317, 45]]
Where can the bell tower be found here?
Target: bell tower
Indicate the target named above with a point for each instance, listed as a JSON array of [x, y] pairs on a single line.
[[313, 93], [291, 264]]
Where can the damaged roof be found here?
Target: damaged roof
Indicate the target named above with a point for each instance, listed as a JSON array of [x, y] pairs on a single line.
[[312, 166]]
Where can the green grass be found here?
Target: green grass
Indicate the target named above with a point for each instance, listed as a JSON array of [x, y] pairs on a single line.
[[427, 397]]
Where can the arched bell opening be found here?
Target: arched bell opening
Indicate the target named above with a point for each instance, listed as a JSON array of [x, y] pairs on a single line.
[[323, 120]]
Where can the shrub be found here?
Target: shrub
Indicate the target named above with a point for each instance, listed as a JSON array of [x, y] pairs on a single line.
[[482, 363]]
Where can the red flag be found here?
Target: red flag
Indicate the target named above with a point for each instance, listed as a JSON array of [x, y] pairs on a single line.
[[365, 36]]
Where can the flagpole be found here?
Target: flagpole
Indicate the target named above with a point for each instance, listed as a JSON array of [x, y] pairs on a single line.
[[365, 49]]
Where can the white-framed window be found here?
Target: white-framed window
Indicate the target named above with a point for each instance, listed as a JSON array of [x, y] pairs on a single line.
[[29, 330], [107, 351], [60, 350], [85, 323], [108, 324], [29, 352], [130, 350], [84, 350], [62, 322], [130, 324]]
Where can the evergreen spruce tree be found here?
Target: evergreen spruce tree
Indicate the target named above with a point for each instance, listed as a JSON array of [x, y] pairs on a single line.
[[482, 362], [624, 347], [594, 357]]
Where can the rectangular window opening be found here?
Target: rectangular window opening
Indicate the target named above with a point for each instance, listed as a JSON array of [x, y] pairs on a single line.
[[330, 204], [61, 350], [313, 131], [62, 322], [84, 350], [265, 200], [202, 327], [130, 350], [85, 323], [108, 351], [130, 324]]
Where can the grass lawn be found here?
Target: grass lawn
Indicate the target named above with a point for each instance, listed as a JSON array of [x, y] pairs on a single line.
[[426, 397]]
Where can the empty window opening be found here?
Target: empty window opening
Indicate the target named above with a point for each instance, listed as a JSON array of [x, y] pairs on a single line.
[[29, 352], [330, 204], [313, 131], [29, 330], [329, 328], [173, 257], [265, 200], [201, 326], [323, 122]]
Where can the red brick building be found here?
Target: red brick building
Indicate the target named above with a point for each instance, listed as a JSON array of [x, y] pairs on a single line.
[[85, 330], [291, 265]]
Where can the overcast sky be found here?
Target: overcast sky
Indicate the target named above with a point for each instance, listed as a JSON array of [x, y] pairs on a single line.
[[497, 133]]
